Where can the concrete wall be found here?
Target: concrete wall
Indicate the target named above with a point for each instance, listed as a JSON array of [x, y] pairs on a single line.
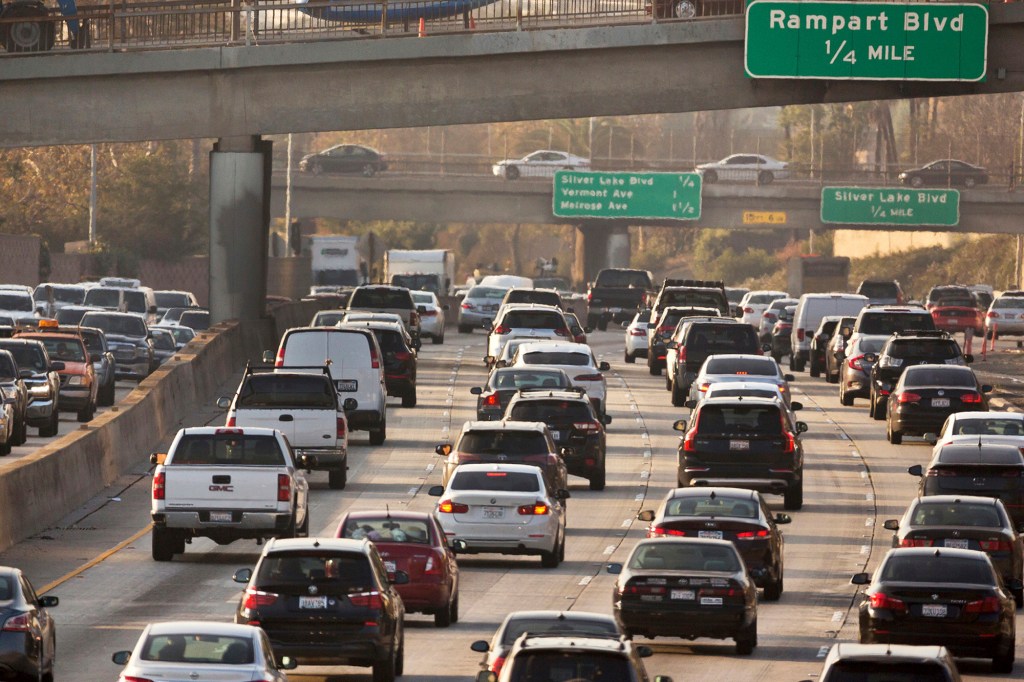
[[19, 259], [40, 489]]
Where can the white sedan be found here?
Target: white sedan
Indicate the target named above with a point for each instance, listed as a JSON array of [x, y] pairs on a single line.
[[636, 336], [575, 359], [503, 509], [542, 163], [744, 167], [181, 650], [431, 315]]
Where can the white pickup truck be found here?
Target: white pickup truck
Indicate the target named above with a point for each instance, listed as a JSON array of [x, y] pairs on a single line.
[[303, 404], [226, 485]]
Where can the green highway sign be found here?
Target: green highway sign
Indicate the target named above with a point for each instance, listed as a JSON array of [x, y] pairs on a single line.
[[890, 206], [590, 194], [866, 40]]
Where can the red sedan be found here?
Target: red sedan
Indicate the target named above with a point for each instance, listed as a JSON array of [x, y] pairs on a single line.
[[957, 316], [414, 543]]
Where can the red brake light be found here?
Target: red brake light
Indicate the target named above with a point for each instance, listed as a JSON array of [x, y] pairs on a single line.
[[467, 306], [972, 398], [752, 534], [666, 328], [374, 358], [492, 400], [986, 605], [855, 363], [499, 662], [370, 600], [18, 624], [231, 422], [428, 313], [916, 542], [130, 678], [588, 377], [449, 507], [562, 331], [502, 329], [592, 427], [691, 436], [880, 600], [538, 508], [402, 356], [908, 397], [993, 314], [748, 310], [160, 486], [341, 427], [995, 546], [254, 599], [279, 361], [636, 331], [932, 473], [659, 532], [799, 334], [284, 488]]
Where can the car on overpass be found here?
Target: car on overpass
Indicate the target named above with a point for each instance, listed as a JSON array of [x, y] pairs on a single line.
[[540, 164], [744, 168], [345, 158], [945, 173]]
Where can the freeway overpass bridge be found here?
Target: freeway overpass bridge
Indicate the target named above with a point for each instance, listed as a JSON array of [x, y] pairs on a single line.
[[142, 81]]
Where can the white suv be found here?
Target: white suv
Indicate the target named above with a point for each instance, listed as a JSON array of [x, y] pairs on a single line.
[[531, 320], [576, 360]]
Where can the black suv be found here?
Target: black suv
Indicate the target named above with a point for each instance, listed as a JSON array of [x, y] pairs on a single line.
[[573, 423], [995, 470], [660, 330], [746, 442], [708, 336], [903, 349], [397, 347], [41, 380], [327, 601], [692, 292]]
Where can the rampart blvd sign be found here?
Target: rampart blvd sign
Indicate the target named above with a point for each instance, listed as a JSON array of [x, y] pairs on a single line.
[[592, 194], [890, 206], [866, 40]]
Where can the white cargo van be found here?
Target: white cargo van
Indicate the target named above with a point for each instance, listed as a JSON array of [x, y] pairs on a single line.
[[809, 311], [356, 366]]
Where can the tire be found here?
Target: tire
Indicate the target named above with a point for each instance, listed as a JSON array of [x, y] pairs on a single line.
[[746, 639], [653, 368], [315, 168], [443, 617], [831, 378], [1002, 662], [678, 397], [845, 399], [778, 358], [794, 497], [29, 35], [369, 170], [916, 181], [970, 182], [796, 363], [765, 177], [881, 410], [20, 434], [684, 9], [437, 340], [1018, 597], [553, 558], [629, 358], [710, 177], [337, 479], [167, 543], [409, 399], [602, 324], [400, 659], [597, 480], [773, 590], [106, 396], [511, 173], [5, 449], [813, 369], [668, 382], [51, 427], [378, 436], [303, 531], [385, 671], [86, 414], [895, 437]]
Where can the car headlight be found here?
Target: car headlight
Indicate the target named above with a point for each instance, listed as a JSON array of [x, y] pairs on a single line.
[[76, 381], [141, 352], [39, 391]]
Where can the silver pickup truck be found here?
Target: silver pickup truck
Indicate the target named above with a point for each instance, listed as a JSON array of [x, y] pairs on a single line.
[[227, 484], [302, 405]]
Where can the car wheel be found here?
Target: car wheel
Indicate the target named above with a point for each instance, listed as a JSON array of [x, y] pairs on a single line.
[[916, 181], [710, 176], [602, 324], [1018, 597], [51, 427], [511, 173], [794, 497], [337, 479], [550, 559], [668, 381], [86, 414], [443, 616], [678, 397], [685, 9], [5, 449], [400, 659], [746, 639], [796, 362], [315, 168], [773, 590], [167, 543], [437, 340], [369, 170], [20, 433], [652, 367], [970, 182], [813, 369], [895, 437], [831, 378], [1002, 662], [378, 436], [384, 671], [409, 399], [455, 608], [303, 531], [629, 358], [881, 409], [765, 177], [845, 398], [106, 397], [597, 480]]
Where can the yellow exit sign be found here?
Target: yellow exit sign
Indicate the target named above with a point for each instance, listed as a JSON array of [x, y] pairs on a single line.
[[764, 217]]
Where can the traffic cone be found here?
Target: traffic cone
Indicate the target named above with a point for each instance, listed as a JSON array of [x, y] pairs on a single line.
[[423, 27], [472, 22]]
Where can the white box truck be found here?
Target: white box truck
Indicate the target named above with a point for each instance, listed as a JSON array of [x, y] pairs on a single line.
[[335, 259], [422, 270]]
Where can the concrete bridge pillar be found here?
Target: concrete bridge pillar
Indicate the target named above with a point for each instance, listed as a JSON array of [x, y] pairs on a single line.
[[600, 244], [239, 226]]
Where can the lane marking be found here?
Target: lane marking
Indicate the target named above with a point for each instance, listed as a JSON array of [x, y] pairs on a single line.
[[585, 580], [837, 616], [93, 562], [823, 652], [864, 549], [627, 522], [610, 549], [869, 521], [412, 491]]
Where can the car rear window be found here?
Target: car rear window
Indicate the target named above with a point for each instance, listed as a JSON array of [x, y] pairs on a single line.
[[958, 301], [958, 377], [712, 506], [556, 358], [172, 299], [571, 665], [228, 449], [731, 419], [198, 648], [883, 671], [988, 426], [516, 379], [486, 292], [163, 340], [1002, 455], [931, 569], [878, 289], [412, 282], [328, 319], [497, 481], [737, 392], [721, 338], [502, 441], [557, 627], [533, 296], [198, 320], [690, 297], [678, 556], [332, 571], [866, 345], [287, 390], [763, 299], [390, 341], [69, 316], [925, 350], [544, 410], [1008, 302], [623, 278], [881, 323], [956, 514], [533, 319], [387, 529], [741, 366], [7, 365], [380, 298]]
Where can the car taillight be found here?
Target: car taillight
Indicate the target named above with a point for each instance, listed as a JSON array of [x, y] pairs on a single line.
[[402, 356], [667, 329], [916, 542], [20, 623], [705, 386], [986, 605], [934, 473], [284, 488], [719, 592], [590, 296], [493, 400], [369, 600], [538, 508], [908, 397], [433, 566], [588, 377], [130, 678], [160, 486], [799, 334], [637, 331], [414, 318], [880, 600], [449, 507], [374, 358], [855, 363], [644, 589], [590, 427], [467, 306], [681, 353], [232, 422], [691, 436], [995, 545], [428, 313], [563, 331], [971, 398], [752, 534], [499, 662], [659, 532], [502, 329], [993, 314], [748, 310], [253, 599], [279, 361], [341, 425]]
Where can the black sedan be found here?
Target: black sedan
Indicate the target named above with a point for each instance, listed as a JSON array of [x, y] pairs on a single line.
[[926, 394], [686, 587], [16, 392], [949, 597], [734, 514], [963, 522], [345, 158], [945, 173], [502, 384], [28, 638]]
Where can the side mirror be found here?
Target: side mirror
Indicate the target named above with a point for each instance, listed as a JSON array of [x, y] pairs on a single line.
[[501, 363], [969, 358], [443, 450], [488, 325], [242, 575], [604, 367], [801, 427], [860, 579], [399, 578], [614, 569], [350, 404], [57, 366], [679, 425], [690, 404], [416, 344], [1020, 527], [783, 518], [662, 678], [121, 657], [152, 310], [287, 663], [870, 358], [476, 390], [789, 377], [646, 515], [459, 545], [268, 357], [794, 406], [932, 438], [757, 573], [607, 419], [766, 347], [49, 602], [567, 451], [436, 491], [644, 651], [986, 388], [481, 646], [224, 402], [588, 330], [158, 458], [486, 676], [1015, 584], [891, 524], [915, 470]]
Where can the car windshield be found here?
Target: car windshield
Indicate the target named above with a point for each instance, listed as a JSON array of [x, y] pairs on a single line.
[[550, 410], [387, 529], [556, 627], [556, 358], [163, 340], [988, 426], [287, 390], [198, 648], [924, 350], [733, 419], [182, 334], [868, 345], [497, 481], [742, 366], [486, 292], [925, 569], [332, 571], [721, 339], [125, 325], [7, 368], [623, 278], [888, 323], [18, 302], [28, 356], [571, 665], [887, 671], [939, 376], [65, 350], [228, 449], [515, 379], [6, 589], [684, 556], [956, 514], [502, 441], [380, 298], [717, 505]]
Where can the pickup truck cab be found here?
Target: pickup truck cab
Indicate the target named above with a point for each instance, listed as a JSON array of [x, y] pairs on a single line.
[[304, 407], [616, 294], [226, 485]]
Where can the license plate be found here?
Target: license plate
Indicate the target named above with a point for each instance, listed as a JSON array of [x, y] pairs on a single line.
[[713, 534], [710, 601], [346, 385], [220, 517], [494, 512], [739, 445], [933, 610], [683, 594], [940, 402], [955, 544], [389, 566], [313, 602], [615, 310], [557, 435]]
